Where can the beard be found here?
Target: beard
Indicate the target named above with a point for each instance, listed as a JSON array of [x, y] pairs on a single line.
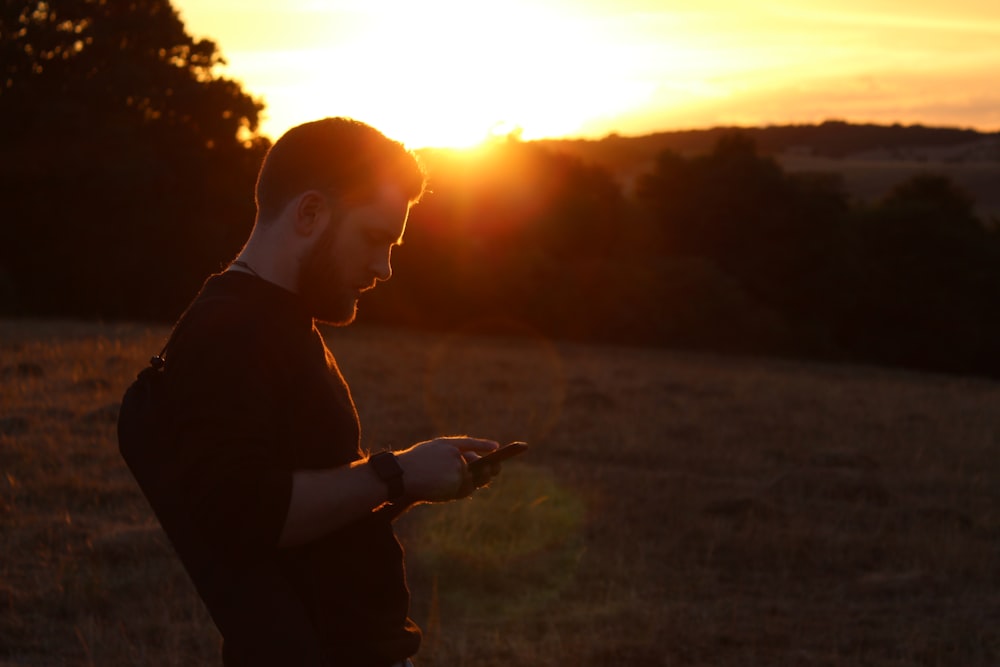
[[322, 288]]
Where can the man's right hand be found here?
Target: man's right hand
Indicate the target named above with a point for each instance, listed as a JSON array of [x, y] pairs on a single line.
[[436, 471], [327, 500]]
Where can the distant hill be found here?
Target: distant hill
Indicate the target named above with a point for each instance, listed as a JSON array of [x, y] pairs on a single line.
[[870, 158], [832, 139]]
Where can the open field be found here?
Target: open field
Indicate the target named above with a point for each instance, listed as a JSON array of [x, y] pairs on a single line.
[[870, 179], [675, 509]]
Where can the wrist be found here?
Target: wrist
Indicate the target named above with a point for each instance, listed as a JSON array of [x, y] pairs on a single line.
[[387, 469]]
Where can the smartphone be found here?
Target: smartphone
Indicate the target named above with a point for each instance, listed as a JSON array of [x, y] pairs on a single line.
[[496, 456]]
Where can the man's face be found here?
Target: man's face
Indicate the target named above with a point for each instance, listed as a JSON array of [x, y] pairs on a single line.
[[350, 255]]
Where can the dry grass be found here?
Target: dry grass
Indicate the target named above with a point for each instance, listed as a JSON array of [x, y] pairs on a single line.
[[674, 510]]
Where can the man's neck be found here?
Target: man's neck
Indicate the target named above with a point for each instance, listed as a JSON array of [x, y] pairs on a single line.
[[266, 267]]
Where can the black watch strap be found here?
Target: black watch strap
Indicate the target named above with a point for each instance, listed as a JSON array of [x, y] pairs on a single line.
[[389, 471]]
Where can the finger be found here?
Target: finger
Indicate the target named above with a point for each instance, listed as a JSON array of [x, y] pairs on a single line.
[[477, 445], [481, 478], [467, 486]]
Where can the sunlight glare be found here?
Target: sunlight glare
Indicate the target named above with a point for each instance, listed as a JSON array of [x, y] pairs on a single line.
[[448, 73]]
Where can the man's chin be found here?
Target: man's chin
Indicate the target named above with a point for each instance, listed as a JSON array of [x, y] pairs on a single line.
[[339, 318]]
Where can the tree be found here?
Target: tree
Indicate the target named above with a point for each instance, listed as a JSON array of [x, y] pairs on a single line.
[[512, 230], [772, 232], [927, 281], [128, 163], [129, 64]]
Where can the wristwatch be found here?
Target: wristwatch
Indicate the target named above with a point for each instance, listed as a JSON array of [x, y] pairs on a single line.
[[389, 471]]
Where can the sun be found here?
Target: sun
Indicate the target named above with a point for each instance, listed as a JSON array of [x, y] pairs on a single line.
[[443, 73]]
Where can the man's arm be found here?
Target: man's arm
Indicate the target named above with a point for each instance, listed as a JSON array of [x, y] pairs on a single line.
[[325, 500]]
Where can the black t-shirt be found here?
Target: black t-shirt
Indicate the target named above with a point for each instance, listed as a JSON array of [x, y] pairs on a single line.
[[254, 395]]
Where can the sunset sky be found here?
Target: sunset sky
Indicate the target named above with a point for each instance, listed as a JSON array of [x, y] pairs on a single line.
[[450, 72]]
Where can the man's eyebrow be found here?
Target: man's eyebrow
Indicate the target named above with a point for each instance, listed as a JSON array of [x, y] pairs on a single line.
[[385, 236]]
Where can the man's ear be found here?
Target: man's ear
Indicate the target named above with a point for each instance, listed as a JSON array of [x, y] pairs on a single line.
[[312, 209]]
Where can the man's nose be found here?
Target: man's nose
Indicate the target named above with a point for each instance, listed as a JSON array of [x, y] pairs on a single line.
[[382, 267]]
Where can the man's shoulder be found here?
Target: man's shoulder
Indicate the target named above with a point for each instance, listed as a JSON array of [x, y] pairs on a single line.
[[214, 315], [220, 315], [222, 312], [236, 315]]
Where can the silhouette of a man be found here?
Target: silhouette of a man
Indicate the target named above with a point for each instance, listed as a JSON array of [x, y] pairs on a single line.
[[282, 521]]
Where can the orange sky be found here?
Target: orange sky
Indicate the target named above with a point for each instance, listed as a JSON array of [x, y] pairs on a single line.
[[450, 72]]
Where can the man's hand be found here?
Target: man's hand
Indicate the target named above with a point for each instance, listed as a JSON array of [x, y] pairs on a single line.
[[327, 500], [436, 470]]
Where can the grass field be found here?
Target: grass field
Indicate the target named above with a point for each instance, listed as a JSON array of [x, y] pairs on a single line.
[[675, 509]]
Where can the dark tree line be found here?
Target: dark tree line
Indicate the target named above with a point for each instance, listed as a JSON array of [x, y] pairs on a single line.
[[127, 164], [911, 280], [127, 172], [723, 251]]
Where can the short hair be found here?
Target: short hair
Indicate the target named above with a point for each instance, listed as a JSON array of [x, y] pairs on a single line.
[[340, 156]]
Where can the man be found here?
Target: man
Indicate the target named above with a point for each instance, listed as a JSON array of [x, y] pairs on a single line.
[[282, 522]]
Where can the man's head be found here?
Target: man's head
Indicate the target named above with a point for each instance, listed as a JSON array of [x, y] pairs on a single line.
[[332, 201], [341, 157]]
